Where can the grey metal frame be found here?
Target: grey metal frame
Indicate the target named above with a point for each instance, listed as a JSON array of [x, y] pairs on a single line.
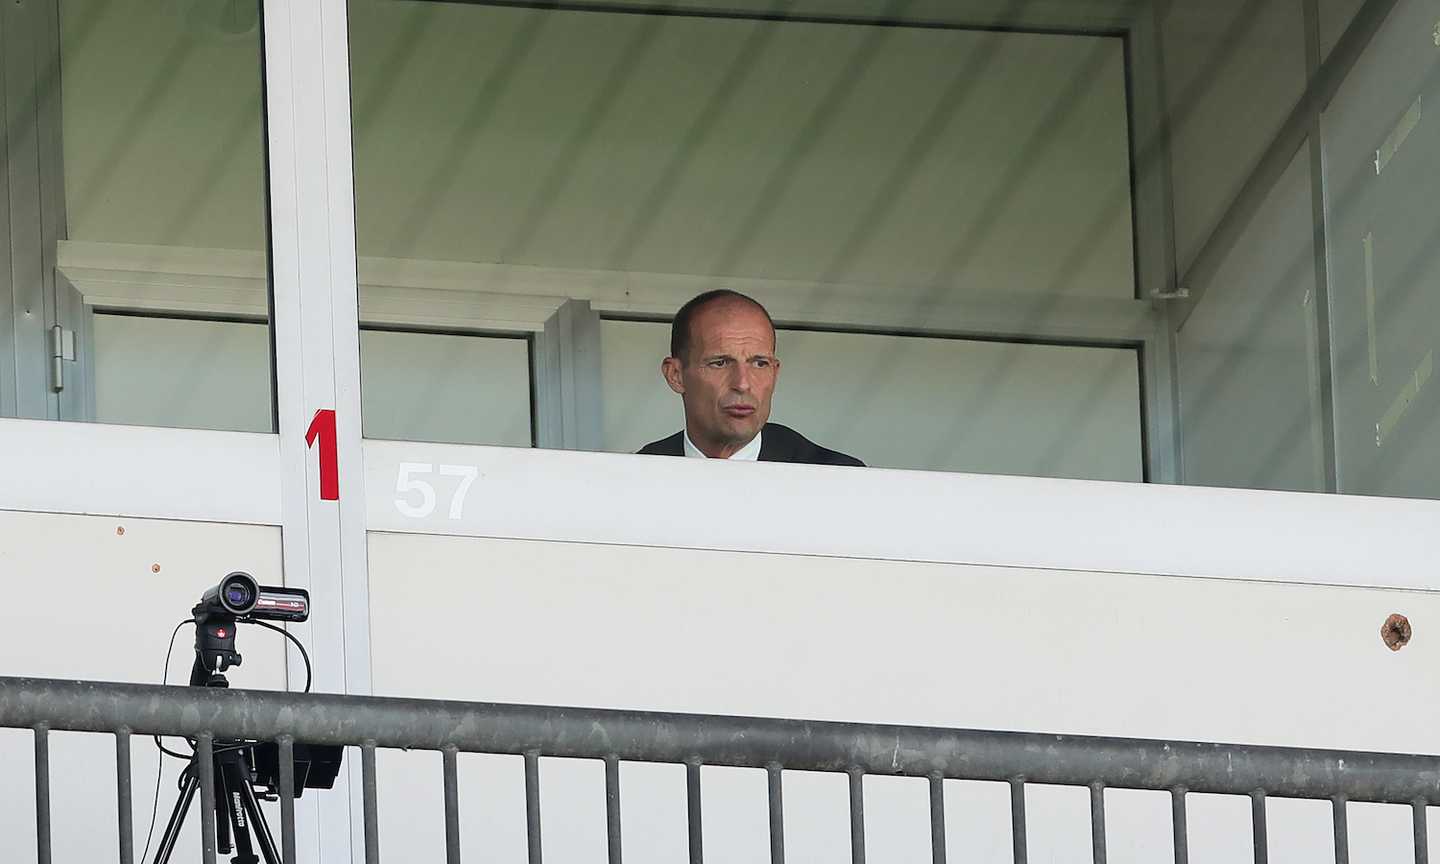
[[1016, 758], [34, 201], [565, 379]]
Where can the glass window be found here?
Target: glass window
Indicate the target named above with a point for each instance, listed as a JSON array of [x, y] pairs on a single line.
[[136, 215], [942, 210], [566, 168], [443, 387], [1000, 407]]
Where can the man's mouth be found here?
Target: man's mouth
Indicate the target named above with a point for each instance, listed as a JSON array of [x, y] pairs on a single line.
[[739, 411]]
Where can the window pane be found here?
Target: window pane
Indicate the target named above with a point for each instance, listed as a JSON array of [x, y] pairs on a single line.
[[135, 164], [176, 372], [530, 170], [445, 388], [971, 192], [1382, 143], [1044, 410]]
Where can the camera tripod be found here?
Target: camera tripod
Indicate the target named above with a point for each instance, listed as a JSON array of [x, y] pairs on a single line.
[[237, 808]]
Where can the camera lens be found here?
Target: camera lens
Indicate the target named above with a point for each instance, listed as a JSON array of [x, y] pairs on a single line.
[[238, 593]]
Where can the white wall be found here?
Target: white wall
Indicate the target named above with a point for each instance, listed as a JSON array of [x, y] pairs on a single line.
[[827, 638], [85, 600], [911, 402]]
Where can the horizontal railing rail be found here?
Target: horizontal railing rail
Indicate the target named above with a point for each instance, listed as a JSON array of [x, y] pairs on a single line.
[[209, 715]]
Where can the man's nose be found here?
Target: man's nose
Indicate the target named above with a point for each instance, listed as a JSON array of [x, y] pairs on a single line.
[[740, 381]]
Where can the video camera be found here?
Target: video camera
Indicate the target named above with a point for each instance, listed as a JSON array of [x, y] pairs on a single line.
[[238, 598]]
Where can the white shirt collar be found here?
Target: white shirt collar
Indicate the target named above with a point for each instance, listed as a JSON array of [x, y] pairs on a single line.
[[749, 453]]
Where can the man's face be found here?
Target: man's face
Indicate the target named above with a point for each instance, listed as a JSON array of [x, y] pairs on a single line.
[[728, 377]]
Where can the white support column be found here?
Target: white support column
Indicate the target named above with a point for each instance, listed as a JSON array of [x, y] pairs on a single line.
[[317, 361]]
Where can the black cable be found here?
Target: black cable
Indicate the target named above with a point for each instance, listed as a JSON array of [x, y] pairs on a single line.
[[160, 763], [303, 654]]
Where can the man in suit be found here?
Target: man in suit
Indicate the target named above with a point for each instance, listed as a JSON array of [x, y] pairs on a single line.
[[722, 363]]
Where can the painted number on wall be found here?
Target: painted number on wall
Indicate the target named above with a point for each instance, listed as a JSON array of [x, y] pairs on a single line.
[[322, 429], [417, 497]]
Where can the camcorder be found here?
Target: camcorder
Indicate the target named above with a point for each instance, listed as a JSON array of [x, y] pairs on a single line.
[[240, 767], [238, 599]]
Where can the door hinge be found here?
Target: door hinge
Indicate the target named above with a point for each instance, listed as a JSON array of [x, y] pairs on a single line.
[[62, 349]]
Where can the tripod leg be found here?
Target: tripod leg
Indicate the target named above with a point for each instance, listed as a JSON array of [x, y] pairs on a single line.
[[236, 814], [177, 818], [222, 808], [245, 787]]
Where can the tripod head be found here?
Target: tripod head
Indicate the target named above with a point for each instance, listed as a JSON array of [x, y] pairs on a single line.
[[237, 599]]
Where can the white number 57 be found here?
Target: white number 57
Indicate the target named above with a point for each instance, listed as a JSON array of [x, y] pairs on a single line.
[[407, 483]]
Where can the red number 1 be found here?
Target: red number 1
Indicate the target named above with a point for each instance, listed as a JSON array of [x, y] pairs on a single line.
[[323, 427]]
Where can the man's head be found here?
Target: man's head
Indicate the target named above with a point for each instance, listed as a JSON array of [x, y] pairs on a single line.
[[722, 363]]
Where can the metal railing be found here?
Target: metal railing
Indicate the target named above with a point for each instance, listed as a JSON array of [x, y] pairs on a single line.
[[856, 750]]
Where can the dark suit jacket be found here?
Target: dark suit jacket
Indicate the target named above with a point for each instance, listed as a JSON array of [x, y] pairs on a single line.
[[777, 444]]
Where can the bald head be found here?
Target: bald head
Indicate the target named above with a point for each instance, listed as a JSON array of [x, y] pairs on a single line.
[[723, 300]]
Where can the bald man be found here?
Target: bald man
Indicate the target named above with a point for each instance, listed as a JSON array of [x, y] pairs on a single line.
[[722, 363]]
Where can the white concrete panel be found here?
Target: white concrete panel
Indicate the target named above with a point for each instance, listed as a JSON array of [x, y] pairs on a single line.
[[1233, 70], [97, 598], [180, 372], [1249, 411], [899, 515], [913, 402], [442, 387], [95, 468], [1384, 267], [825, 638], [930, 162]]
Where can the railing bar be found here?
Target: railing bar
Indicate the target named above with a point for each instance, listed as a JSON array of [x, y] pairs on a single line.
[[1097, 823], [857, 816], [1342, 829], [532, 805], [777, 813], [692, 809], [125, 812], [451, 760], [372, 804], [1259, 828], [937, 818], [1177, 821], [612, 808], [1017, 821], [205, 768], [287, 798], [1422, 839], [742, 742], [42, 793]]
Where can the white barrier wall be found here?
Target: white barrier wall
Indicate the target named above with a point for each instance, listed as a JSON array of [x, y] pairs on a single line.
[[880, 641]]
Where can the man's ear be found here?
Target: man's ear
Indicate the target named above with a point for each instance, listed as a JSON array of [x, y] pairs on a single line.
[[671, 369]]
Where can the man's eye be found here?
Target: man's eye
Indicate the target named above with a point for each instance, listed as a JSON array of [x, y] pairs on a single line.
[[762, 362], [716, 364]]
